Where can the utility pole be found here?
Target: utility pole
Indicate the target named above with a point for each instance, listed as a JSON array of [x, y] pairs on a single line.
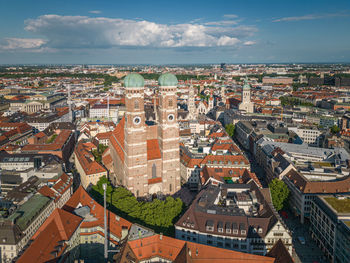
[[104, 186]]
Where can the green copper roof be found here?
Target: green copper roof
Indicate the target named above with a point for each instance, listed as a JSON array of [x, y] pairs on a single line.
[[167, 79], [27, 212], [246, 84], [134, 80]]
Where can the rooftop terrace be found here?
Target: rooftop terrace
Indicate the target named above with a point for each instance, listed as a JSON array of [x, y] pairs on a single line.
[[341, 205]]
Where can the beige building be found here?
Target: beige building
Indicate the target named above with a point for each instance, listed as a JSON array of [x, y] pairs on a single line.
[[278, 80], [19, 227], [38, 102], [90, 171], [246, 105]]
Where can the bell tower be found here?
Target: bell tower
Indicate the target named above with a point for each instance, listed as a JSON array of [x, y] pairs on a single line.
[[191, 104], [246, 104], [135, 172], [168, 133]]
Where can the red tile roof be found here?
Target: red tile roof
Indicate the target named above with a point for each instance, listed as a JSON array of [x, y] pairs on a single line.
[[81, 197], [153, 151], [59, 226], [103, 135], [117, 138], [175, 250], [225, 159], [155, 180], [306, 186], [86, 159], [220, 173], [57, 144]]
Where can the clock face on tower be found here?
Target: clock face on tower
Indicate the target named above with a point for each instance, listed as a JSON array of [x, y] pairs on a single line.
[[171, 117], [137, 120]]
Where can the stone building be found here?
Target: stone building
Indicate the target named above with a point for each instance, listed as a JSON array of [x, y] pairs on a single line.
[[246, 105]]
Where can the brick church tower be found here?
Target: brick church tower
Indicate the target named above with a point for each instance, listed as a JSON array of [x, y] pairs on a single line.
[[135, 135], [146, 156], [168, 133]]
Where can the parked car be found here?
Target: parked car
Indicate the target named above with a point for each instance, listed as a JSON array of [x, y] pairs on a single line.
[[302, 240]]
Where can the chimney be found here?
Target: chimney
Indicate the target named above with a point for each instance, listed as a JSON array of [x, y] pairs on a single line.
[[261, 207], [125, 231], [161, 236]]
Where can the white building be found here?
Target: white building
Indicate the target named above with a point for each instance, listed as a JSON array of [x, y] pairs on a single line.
[[99, 111], [246, 105], [308, 135]]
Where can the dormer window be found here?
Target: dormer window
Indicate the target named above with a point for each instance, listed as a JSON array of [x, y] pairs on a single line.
[[228, 227], [220, 227], [243, 232], [209, 225], [260, 230]]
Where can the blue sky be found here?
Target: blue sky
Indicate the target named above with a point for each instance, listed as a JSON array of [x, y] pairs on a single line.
[[170, 32]]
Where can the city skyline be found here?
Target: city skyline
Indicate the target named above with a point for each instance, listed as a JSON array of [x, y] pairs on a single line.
[[195, 32]]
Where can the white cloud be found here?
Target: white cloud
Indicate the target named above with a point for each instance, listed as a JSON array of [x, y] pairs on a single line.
[[309, 17], [230, 16], [249, 43], [221, 23], [95, 12], [21, 43], [101, 32], [228, 41]]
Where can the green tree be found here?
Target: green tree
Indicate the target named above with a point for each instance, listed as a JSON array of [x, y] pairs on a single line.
[[279, 193], [158, 215], [335, 129], [230, 129]]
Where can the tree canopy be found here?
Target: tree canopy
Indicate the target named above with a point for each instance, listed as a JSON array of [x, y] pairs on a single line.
[[230, 129], [279, 193], [158, 215], [335, 129], [291, 101], [98, 153]]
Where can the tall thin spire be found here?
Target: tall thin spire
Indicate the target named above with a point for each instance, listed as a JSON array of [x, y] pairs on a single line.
[[69, 103]]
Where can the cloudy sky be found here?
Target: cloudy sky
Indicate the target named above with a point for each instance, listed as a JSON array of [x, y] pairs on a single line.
[[169, 32]]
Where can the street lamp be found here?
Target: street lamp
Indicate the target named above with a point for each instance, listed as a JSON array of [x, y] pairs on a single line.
[[104, 186]]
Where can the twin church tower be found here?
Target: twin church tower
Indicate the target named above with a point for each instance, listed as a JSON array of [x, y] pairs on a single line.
[[146, 156]]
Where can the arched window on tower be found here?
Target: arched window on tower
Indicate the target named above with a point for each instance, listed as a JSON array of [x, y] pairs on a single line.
[[136, 105], [170, 102], [154, 171], [170, 187]]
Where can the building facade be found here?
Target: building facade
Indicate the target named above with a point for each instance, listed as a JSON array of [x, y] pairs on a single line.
[[238, 217], [330, 226]]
